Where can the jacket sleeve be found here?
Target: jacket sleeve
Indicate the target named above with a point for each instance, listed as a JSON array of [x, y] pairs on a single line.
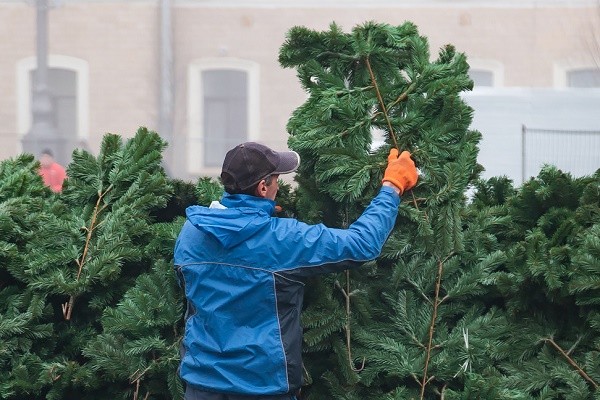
[[307, 250]]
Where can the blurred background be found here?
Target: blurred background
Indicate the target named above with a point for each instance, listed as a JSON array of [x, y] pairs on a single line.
[[204, 74]]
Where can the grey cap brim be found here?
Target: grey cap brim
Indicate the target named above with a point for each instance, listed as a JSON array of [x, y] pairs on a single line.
[[288, 162]]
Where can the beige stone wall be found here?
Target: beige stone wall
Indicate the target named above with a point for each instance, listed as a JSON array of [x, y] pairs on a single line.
[[119, 41], [16, 42]]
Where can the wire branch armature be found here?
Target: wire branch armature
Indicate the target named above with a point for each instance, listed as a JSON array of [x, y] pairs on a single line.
[[381, 103], [347, 294], [572, 362], [67, 308], [436, 303]]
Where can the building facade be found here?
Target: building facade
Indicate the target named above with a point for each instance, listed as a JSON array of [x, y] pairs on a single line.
[[205, 75]]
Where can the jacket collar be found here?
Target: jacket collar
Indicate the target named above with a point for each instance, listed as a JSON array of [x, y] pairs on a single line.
[[248, 201]]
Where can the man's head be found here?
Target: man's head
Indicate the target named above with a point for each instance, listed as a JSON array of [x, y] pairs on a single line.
[[250, 165]]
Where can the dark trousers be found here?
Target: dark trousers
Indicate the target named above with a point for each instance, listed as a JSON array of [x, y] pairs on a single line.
[[196, 394]]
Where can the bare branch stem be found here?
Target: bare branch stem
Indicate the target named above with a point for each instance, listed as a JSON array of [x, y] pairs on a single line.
[[572, 362], [67, 308]]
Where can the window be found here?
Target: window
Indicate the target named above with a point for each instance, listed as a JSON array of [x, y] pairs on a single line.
[[222, 110], [576, 74], [225, 113], [68, 79], [584, 78], [481, 78], [62, 84], [486, 73]]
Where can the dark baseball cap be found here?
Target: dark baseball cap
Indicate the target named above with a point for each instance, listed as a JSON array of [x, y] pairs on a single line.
[[248, 163]]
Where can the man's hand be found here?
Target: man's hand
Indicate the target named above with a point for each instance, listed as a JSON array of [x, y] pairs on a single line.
[[400, 171]]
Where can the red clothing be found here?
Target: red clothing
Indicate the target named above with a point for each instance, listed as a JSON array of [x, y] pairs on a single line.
[[53, 176]]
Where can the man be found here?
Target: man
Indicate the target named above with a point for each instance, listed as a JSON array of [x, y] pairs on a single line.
[[53, 174], [242, 270]]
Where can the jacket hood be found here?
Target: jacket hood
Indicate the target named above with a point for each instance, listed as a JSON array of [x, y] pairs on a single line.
[[239, 218]]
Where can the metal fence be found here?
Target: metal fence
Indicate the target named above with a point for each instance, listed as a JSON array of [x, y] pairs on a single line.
[[574, 151]]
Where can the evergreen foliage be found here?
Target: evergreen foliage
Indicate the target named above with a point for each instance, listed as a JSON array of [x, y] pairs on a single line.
[[90, 307], [491, 298], [544, 327], [407, 322], [24, 314], [468, 300]]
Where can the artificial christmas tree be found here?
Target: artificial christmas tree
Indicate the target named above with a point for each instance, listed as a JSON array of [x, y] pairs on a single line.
[[93, 304], [488, 299], [24, 314], [544, 327], [408, 333]]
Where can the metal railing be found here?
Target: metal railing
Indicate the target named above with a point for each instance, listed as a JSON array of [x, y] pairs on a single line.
[[574, 151]]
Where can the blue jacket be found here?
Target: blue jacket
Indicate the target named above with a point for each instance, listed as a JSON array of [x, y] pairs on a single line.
[[242, 272]]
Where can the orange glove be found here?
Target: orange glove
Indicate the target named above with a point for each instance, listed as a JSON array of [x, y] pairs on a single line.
[[401, 171]]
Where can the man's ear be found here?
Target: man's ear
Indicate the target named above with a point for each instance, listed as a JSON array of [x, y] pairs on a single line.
[[261, 189]]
